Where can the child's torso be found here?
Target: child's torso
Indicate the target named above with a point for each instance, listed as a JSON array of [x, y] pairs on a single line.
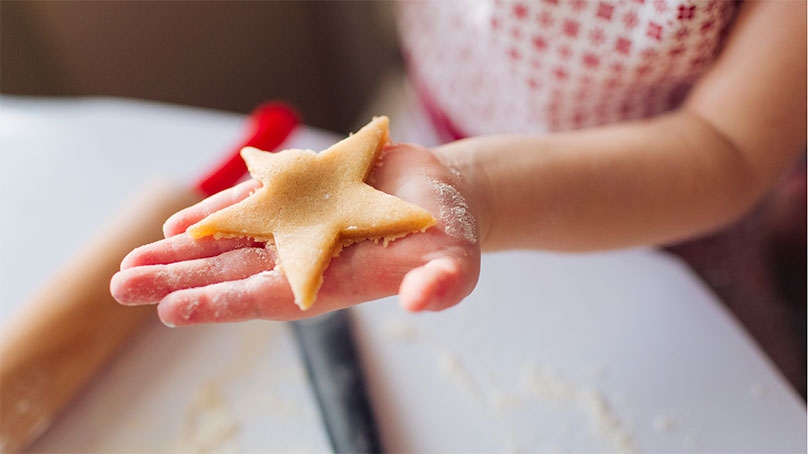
[[507, 66]]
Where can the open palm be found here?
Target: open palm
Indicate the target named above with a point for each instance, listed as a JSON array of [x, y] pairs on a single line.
[[233, 279]]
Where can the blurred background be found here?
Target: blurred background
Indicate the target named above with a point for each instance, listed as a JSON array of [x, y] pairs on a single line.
[[326, 58], [332, 60]]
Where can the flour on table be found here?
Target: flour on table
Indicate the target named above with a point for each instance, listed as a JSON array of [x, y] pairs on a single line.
[[580, 412], [757, 391], [210, 425], [663, 423], [451, 367], [396, 329]]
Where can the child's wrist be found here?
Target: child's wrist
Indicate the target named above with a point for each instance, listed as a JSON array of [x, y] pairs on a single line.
[[472, 180]]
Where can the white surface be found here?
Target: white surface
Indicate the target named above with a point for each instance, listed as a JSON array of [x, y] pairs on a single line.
[[525, 362], [623, 351]]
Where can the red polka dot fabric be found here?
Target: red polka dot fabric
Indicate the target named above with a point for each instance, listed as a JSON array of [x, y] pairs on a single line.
[[518, 66]]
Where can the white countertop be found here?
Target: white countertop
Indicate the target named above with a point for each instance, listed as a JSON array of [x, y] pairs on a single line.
[[612, 352]]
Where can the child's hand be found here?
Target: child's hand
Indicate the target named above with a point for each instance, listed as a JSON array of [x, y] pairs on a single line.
[[207, 280]]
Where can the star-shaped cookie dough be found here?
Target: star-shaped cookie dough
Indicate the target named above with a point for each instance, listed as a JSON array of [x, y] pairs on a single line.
[[312, 204]]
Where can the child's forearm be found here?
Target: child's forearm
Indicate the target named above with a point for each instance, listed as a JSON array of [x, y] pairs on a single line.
[[658, 180], [637, 183]]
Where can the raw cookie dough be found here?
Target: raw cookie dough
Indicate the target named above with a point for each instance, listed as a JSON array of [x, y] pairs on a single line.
[[312, 204]]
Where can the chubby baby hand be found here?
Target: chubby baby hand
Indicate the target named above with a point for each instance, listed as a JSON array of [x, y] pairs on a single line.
[[235, 279]]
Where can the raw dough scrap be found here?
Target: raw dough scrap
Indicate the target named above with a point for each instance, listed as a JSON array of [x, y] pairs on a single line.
[[312, 204]]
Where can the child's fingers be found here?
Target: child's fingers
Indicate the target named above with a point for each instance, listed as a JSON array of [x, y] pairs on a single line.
[[150, 284], [179, 248], [439, 284], [262, 296], [265, 296], [362, 272], [182, 219]]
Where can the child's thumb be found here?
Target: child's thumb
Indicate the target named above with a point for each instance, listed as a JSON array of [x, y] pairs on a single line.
[[439, 284]]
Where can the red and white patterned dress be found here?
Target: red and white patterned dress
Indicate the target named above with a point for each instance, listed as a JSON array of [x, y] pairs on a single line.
[[533, 66]]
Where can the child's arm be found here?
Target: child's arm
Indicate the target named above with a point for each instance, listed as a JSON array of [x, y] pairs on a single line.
[[662, 179], [634, 183]]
